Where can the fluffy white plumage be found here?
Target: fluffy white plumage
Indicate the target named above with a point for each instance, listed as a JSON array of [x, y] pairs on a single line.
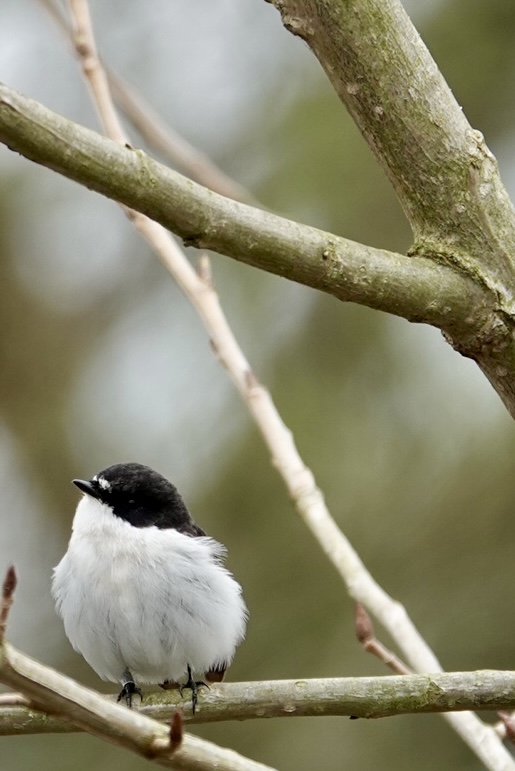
[[149, 600]]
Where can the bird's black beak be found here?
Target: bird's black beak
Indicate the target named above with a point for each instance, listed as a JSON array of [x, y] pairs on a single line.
[[86, 487]]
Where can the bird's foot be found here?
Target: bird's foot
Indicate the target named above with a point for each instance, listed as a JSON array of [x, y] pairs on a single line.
[[128, 691], [193, 685]]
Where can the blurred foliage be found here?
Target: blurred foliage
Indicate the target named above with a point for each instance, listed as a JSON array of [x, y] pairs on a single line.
[[412, 450]]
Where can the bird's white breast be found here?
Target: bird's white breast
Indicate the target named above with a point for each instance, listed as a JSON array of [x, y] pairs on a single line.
[[149, 600]]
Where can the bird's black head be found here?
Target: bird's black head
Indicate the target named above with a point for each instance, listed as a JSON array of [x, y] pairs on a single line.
[[141, 496]]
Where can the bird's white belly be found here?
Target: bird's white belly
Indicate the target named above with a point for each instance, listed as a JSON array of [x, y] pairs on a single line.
[[160, 603]]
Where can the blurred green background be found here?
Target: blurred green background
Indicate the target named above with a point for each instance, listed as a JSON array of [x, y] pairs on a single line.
[[102, 360]]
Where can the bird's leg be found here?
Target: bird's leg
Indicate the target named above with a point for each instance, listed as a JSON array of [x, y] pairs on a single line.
[[129, 689], [193, 685]]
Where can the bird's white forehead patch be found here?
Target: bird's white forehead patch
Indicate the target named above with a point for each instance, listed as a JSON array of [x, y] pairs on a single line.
[[103, 483]]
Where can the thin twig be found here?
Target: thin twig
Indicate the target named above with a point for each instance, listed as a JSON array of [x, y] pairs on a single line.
[[176, 730], [85, 46], [366, 636]]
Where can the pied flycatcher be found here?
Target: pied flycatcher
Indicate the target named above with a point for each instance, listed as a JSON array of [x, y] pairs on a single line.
[[142, 590]]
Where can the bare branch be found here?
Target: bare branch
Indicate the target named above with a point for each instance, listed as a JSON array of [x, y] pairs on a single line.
[[85, 46], [413, 287], [365, 697], [366, 636], [57, 695], [444, 175]]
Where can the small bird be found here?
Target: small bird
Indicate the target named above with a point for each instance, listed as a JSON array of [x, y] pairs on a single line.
[[142, 590]]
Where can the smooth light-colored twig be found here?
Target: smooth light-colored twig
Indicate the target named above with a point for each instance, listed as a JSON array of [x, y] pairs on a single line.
[[299, 480], [94, 73]]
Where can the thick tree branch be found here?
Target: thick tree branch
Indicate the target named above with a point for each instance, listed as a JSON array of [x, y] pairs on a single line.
[[478, 322], [413, 287], [441, 169]]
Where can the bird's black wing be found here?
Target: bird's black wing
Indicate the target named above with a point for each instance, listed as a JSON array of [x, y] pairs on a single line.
[[190, 528]]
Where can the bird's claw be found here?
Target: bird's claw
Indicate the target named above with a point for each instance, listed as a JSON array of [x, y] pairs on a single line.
[[129, 689], [193, 685]]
